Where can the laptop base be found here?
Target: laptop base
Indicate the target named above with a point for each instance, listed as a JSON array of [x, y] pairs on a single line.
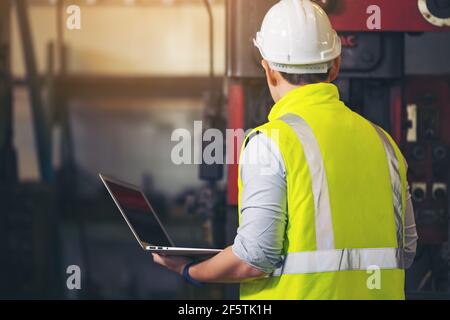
[[184, 252]]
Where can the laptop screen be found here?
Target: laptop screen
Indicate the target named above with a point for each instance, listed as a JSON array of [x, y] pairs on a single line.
[[139, 214]]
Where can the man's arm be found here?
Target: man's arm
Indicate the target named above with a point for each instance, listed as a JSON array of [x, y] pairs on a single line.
[[225, 267]]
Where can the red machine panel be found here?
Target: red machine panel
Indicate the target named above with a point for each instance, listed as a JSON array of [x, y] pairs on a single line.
[[235, 121]]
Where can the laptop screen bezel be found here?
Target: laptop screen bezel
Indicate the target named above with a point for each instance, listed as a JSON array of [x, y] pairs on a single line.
[[142, 243]]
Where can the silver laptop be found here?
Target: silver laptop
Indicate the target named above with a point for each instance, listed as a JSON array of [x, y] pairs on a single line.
[[144, 223]]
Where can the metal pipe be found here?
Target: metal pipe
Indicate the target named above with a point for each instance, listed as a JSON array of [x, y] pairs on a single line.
[[8, 159], [41, 128], [211, 37]]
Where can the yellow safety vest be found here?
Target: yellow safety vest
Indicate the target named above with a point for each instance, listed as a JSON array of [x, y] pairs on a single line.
[[346, 194]]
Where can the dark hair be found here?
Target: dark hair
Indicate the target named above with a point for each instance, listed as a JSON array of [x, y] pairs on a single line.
[[302, 79]]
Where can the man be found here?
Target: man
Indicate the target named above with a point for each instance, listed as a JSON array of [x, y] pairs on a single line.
[[325, 212]]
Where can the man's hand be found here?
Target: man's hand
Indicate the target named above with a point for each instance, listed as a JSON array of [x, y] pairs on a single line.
[[173, 263], [224, 267]]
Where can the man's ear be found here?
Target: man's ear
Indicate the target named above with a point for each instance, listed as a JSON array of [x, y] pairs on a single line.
[[270, 74], [334, 72]]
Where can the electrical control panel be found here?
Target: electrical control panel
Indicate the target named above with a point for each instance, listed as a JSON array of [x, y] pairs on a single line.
[[427, 148]]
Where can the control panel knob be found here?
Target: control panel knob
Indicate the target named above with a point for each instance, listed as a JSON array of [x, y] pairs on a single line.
[[418, 152], [439, 153], [439, 191], [419, 191]]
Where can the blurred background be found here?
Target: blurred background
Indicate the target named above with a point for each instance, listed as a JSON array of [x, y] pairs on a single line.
[[107, 97]]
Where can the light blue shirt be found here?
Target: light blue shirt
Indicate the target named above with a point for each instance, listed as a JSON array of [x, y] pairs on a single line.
[[261, 234]]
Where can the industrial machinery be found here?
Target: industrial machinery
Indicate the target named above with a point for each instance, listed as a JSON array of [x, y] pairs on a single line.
[[398, 77]]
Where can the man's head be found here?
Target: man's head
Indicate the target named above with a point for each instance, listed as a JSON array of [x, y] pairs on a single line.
[[298, 45], [281, 83]]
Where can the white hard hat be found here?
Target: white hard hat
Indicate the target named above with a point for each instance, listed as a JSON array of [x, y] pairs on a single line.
[[297, 37]]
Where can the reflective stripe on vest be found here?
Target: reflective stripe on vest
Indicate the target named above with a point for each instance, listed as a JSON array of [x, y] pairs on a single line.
[[323, 221], [327, 258], [340, 260], [396, 183]]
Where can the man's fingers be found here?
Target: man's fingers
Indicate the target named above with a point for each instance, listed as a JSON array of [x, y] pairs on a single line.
[[162, 260], [157, 258]]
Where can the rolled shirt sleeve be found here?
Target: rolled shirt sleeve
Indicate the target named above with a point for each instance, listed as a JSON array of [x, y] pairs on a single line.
[[260, 237]]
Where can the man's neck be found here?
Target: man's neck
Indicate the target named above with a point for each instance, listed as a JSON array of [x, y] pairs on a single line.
[[286, 87]]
